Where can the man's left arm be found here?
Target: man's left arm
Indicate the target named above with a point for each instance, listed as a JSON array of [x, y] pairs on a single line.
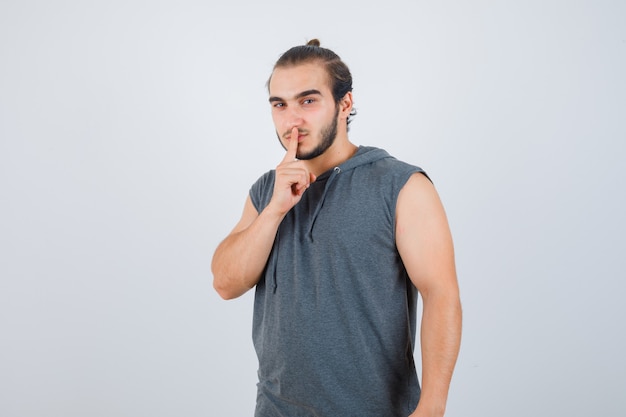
[[425, 244]]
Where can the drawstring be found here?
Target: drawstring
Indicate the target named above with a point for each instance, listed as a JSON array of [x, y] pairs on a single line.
[[335, 172], [273, 262]]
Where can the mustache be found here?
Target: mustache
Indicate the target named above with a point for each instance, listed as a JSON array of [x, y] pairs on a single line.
[[287, 134]]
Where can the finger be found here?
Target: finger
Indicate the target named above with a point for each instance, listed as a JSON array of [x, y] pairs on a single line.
[[292, 146], [301, 187], [298, 179]]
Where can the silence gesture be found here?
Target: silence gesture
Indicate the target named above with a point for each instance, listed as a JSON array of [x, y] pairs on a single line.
[[292, 178]]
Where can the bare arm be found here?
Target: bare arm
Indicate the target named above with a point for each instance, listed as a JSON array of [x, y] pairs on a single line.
[[240, 259], [425, 244]]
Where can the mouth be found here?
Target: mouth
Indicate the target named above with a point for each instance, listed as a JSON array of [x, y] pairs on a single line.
[[300, 136]]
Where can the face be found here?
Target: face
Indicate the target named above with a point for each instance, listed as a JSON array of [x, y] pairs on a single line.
[[300, 97]]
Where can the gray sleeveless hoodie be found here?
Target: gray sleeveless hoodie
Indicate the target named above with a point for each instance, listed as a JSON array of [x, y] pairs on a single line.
[[335, 313]]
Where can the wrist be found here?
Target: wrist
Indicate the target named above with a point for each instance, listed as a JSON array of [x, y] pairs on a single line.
[[428, 410], [273, 214]]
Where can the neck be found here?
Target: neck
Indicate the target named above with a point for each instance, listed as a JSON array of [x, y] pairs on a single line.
[[338, 153]]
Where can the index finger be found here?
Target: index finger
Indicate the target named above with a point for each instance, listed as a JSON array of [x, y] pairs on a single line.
[[292, 146]]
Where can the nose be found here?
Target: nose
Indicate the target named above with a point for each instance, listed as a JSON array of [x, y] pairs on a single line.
[[294, 118]]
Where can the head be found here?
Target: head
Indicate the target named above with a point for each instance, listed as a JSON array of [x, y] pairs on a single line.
[[339, 75], [324, 110]]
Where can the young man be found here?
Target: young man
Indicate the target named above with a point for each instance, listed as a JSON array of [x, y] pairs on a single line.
[[337, 240]]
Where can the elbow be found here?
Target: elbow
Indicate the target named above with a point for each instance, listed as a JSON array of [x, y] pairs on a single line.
[[225, 292], [219, 281], [228, 283], [226, 288], [219, 285], [225, 295]]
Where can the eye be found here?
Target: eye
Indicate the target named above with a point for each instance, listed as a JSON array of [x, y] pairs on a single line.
[[308, 101], [278, 105]]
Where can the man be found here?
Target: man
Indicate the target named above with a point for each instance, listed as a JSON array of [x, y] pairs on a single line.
[[337, 240]]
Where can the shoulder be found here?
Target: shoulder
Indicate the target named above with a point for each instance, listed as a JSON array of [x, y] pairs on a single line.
[[419, 206], [262, 189], [417, 191], [266, 179], [394, 166]]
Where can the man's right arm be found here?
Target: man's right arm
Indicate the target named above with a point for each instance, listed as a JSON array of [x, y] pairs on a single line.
[[240, 259]]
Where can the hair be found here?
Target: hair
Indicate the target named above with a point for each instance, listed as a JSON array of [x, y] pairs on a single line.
[[338, 72]]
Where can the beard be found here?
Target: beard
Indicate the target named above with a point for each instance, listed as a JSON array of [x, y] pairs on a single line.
[[328, 135]]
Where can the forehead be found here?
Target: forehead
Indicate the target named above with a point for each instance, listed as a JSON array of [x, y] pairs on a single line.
[[289, 81]]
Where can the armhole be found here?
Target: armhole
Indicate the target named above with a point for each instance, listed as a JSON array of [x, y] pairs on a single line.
[[401, 184]]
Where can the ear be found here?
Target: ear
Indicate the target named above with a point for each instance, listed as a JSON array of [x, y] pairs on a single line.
[[345, 105]]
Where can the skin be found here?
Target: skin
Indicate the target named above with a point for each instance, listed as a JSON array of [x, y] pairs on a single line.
[[328, 136], [303, 109]]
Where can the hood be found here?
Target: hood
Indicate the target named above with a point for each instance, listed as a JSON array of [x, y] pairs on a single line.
[[364, 155]]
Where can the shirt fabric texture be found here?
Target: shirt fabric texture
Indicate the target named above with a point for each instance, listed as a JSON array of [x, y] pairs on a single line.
[[335, 312]]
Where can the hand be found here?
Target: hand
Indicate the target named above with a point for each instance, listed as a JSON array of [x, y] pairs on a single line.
[[292, 178]]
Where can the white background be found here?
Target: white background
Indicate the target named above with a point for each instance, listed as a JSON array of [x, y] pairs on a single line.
[[130, 132]]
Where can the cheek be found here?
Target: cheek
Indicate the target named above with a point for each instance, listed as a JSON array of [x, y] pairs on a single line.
[[279, 119], [277, 122]]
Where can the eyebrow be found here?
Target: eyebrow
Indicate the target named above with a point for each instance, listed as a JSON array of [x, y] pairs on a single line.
[[299, 95]]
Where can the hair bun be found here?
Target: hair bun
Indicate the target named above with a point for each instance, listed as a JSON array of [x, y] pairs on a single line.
[[313, 42]]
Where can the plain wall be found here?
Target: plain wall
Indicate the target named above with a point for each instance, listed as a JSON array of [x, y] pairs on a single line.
[[131, 131]]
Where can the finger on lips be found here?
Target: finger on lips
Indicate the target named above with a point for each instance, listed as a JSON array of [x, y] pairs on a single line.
[[301, 178], [292, 146]]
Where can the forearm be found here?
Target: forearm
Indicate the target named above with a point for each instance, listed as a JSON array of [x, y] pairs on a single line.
[[440, 341], [240, 259]]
